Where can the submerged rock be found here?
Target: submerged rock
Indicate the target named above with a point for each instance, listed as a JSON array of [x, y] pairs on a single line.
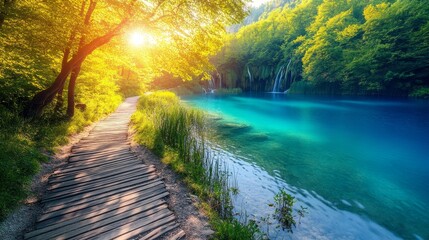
[[235, 127], [257, 137]]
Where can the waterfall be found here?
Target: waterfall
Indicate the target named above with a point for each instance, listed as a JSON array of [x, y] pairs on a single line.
[[277, 80], [250, 78], [287, 70], [211, 83], [220, 79]]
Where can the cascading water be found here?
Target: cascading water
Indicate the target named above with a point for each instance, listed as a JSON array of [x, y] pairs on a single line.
[[211, 86], [279, 76], [211, 83], [250, 78], [220, 80], [287, 70]]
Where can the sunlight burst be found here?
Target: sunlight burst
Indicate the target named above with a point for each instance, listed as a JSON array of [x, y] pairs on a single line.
[[138, 38]]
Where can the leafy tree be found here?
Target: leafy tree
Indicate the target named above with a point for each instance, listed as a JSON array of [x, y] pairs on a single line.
[[187, 25]]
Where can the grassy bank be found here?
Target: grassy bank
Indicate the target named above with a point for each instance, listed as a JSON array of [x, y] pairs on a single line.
[[24, 146], [176, 133]]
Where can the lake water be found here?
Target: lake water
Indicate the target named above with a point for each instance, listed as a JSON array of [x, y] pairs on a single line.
[[360, 166]]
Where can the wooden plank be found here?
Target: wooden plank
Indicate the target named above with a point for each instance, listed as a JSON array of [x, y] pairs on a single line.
[[104, 179], [100, 226], [59, 179], [101, 152], [142, 226], [100, 140], [101, 161], [109, 130], [96, 170], [100, 185], [96, 229], [107, 135], [49, 202], [122, 136], [152, 185], [55, 230], [83, 159], [154, 234], [104, 145], [77, 151], [74, 158], [92, 187], [112, 208], [98, 143], [82, 167], [77, 212], [99, 177], [124, 227], [181, 234]]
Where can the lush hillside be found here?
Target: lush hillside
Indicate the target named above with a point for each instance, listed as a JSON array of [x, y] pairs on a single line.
[[375, 47]]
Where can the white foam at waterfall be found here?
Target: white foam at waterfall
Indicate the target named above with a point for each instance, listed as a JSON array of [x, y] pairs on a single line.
[[277, 80]]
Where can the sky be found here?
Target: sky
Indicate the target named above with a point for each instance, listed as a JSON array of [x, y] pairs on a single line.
[[256, 3]]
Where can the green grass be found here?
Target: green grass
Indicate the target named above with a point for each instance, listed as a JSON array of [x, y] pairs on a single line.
[[177, 134], [233, 229], [24, 146]]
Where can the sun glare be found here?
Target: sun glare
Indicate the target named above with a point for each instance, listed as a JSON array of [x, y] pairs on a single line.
[[138, 38]]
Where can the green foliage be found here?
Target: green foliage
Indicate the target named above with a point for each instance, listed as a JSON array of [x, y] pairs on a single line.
[[284, 210], [377, 47], [233, 229], [19, 160], [420, 93]]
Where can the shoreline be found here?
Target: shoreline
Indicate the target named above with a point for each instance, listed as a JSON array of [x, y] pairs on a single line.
[[192, 220]]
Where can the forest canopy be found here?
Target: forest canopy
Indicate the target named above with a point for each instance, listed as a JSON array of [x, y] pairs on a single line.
[[43, 43], [376, 47]]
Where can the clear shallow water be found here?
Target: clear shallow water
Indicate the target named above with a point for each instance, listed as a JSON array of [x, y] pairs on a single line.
[[361, 166]]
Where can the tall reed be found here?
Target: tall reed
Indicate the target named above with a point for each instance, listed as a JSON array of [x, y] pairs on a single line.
[[177, 132]]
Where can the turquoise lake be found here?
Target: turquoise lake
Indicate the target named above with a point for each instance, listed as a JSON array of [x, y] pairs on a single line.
[[360, 166]]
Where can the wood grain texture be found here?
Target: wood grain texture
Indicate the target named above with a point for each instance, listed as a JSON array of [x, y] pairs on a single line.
[[105, 191]]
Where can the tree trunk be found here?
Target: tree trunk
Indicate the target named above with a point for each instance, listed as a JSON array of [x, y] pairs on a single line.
[[72, 86], [35, 107], [60, 101], [76, 70]]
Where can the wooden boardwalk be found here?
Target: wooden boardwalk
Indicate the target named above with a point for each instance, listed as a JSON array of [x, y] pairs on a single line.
[[105, 192]]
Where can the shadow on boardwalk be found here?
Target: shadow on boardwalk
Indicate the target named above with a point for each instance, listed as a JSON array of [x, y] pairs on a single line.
[[105, 192]]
